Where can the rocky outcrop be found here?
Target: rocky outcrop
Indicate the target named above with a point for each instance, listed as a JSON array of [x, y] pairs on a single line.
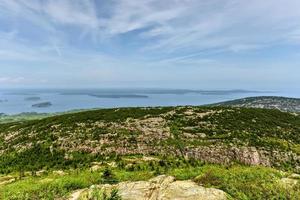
[[245, 155], [6, 179], [159, 188], [289, 181], [212, 135], [219, 154]]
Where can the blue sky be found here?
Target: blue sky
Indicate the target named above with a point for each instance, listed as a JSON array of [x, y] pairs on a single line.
[[205, 44]]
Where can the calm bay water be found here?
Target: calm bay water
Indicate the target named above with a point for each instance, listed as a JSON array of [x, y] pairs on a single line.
[[14, 101]]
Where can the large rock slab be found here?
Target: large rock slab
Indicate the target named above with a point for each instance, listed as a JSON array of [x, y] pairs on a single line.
[[188, 190], [162, 188]]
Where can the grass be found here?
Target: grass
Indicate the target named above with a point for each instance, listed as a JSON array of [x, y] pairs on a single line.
[[238, 181], [99, 194], [244, 182], [50, 186]]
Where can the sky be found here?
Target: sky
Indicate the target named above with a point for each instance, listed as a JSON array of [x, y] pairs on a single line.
[[203, 44]]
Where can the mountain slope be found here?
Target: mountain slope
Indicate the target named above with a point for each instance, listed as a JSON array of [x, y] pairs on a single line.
[[211, 134], [270, 102]]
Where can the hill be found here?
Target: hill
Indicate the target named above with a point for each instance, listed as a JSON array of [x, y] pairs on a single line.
[[269, 102], [211, 134], [213, 146]]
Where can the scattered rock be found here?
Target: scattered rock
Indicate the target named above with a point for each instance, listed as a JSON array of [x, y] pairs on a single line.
[[202, 135], [6, 180], [294, 176], [288, 182], [95, 168], [112, 164], [59, 172], [41, 172], [149, 158], [76, 194]]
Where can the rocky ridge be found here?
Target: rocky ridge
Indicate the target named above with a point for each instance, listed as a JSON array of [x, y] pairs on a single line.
[[269, 102], [210, 134]]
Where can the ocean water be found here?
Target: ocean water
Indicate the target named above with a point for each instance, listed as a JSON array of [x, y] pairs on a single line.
[[14, 101]]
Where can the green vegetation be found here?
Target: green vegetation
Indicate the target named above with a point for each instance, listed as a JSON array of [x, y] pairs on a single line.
[[98, 194], [74, 140], [240, 182], [26, 116], [247, 182], [48, 186], [131, 144], [23, 117]]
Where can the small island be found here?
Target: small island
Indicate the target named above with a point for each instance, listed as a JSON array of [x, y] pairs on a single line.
[[32, 99], [117, 96], [42, 105]]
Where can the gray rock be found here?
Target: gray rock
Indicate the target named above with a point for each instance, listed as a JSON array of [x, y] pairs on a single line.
[[159, 188]]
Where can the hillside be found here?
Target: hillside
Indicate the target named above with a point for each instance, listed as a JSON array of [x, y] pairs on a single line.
[[212, 134], [136, 144], [269, 102]]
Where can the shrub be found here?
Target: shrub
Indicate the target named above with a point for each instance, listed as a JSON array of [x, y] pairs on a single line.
[[108, 176]]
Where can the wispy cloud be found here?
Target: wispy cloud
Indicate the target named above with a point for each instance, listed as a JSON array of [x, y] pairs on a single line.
[[174, 25], [72, 12], [110, 37]]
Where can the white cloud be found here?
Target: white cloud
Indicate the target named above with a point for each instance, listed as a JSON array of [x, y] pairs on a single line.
[[14, 49], [8, 80], [175, 25], [294, 36], [132, 15], [72, 12], [244, 47], [200, 25], [70, 36]]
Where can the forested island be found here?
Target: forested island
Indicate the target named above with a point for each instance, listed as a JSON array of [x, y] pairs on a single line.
[[42, 105]]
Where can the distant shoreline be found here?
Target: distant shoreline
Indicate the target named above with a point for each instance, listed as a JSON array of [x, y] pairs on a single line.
[[268, 102], [19, 101]]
